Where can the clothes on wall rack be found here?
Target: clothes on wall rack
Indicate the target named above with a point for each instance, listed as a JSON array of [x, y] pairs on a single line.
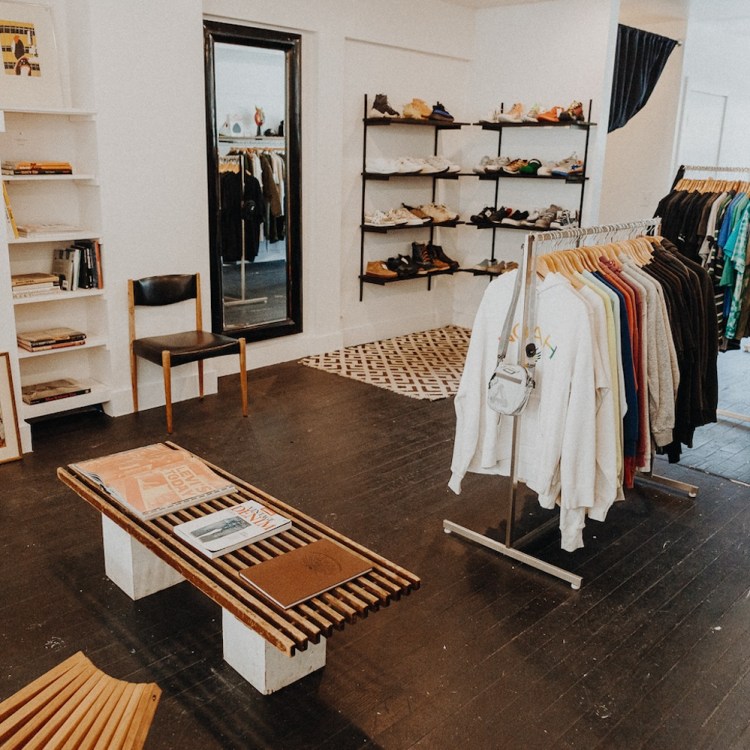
[[242, 210], [626, 367], [707, 219], [268, 166]]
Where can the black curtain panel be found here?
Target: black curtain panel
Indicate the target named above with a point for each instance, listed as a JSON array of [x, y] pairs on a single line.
[[639, 61]]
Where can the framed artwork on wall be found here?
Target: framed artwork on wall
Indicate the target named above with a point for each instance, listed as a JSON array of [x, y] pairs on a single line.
[[10, 440], [30, 78]]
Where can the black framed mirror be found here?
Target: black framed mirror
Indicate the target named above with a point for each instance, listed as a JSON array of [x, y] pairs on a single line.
[[253, 147]]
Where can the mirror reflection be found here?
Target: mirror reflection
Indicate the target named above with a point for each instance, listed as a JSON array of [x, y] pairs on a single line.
[[253, 123], [250, 102]]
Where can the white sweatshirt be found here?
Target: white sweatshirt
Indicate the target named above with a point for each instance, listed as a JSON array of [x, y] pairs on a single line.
[[558, 442]]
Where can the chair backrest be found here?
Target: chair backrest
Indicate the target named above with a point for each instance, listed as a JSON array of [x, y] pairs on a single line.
[[169, 289]]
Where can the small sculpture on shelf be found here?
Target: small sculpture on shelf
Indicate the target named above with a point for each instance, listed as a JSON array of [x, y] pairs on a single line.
[[260, 118]]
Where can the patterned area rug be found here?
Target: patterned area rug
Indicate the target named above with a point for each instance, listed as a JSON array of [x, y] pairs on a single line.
[[425, 365]]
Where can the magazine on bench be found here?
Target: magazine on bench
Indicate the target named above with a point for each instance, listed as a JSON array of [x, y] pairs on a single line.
[[155, 479], [305, 572], [231, 528]]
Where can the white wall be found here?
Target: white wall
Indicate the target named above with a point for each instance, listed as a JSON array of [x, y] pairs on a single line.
[[639, 156]]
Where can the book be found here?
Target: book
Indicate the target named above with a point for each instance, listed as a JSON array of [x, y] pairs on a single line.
[[37, 279], [9, 213], [65, 265], [36, 167], [305, 572], [50, 338], [155, 479], [26, 230], [52, 390], [231, 528]]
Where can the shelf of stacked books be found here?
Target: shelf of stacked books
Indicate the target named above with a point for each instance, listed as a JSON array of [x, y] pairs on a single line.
[[60, 395]]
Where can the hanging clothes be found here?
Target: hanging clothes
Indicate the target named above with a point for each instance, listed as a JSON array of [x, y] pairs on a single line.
[[626, 368]]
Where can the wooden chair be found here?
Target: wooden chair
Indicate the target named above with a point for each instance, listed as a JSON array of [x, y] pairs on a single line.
[[76, 705], [177, 348]]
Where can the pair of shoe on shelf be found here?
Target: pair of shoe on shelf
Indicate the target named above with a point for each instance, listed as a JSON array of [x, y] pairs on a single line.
[[492, 266], [430, 257], [410, 165], [394, 217], [501, 217], [517, 114], [569, 167], [416, 109], [437, 213], [555, 217], [398, 267]]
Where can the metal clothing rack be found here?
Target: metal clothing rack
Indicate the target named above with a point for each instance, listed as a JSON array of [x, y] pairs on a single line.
[[724, 170], [513, 547]]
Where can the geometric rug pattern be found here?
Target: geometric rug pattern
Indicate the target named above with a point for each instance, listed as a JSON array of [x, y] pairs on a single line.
[[424, 365]]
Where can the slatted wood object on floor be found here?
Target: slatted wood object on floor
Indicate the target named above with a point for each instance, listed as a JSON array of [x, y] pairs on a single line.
[[76, 705]]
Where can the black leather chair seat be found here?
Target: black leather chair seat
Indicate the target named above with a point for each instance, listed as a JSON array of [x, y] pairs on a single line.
[[188, 346]]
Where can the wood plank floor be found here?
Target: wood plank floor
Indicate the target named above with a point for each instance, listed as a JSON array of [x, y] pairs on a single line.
[[652, 652]]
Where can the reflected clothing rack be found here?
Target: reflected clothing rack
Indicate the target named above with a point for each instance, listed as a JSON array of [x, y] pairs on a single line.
[[512, 547]]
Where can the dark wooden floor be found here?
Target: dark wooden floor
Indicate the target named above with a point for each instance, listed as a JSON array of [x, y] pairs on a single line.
[[652, 652]]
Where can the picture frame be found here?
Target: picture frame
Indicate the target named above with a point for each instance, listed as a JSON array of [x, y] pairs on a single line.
[[10, 438], [30, 75]]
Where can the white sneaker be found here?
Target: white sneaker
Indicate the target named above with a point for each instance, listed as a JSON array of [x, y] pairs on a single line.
[[434, 165], [408, 165], [514, 114], [381, 166], [565, 219], [379, 219], [402, 216]]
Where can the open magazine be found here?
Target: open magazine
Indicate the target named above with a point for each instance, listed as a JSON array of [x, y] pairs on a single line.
[[155, 479]]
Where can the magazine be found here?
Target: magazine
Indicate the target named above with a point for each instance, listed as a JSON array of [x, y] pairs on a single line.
[[305, 572], [231, 528], [51, 390], [155, 479]]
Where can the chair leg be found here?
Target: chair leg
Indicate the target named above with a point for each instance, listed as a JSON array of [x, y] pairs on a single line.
[[200, 378], [166, 364], [243, 375], [134, 378]]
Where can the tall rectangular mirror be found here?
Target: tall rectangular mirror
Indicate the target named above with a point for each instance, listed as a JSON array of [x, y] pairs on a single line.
[[253, 129]]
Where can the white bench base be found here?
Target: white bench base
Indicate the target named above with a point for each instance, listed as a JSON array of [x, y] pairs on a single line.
[[139, 572], [265, 667], [133, 567]]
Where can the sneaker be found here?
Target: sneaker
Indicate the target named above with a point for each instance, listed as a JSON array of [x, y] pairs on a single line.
[[496, 165], [515, 219], [531, 219], [512, 167], [574, 113], [514, 114], [408, 165], [402, 216], [567, 166], [533, 114], [380, 269], [545, 170], [381, 166], [438, 212], [439, 112], [434, 165], [564, 219], [404, 266], [547, 216], [500, 214], [381, 108], [531, 167], [551, 115], [379, 219], [417, 109], [417, 211], [493, 115], [482, 218]]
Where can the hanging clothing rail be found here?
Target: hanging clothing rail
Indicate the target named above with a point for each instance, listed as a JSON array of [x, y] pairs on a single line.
[[679, 179], [511, 547]]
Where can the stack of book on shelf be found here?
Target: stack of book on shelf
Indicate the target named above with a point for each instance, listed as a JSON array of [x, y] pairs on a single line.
[[52, 390], [155, 480], [36, 167], [33, 284], [50, 338], [229, 529], [79, 266]]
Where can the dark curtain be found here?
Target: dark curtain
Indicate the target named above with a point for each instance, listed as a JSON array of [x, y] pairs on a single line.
[[639, 61]]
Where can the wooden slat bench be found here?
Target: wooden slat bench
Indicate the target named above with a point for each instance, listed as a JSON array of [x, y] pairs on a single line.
[[76, 705], [270, 646]]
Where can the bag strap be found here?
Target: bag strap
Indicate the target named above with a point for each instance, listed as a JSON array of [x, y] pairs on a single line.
[[530, 347]]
